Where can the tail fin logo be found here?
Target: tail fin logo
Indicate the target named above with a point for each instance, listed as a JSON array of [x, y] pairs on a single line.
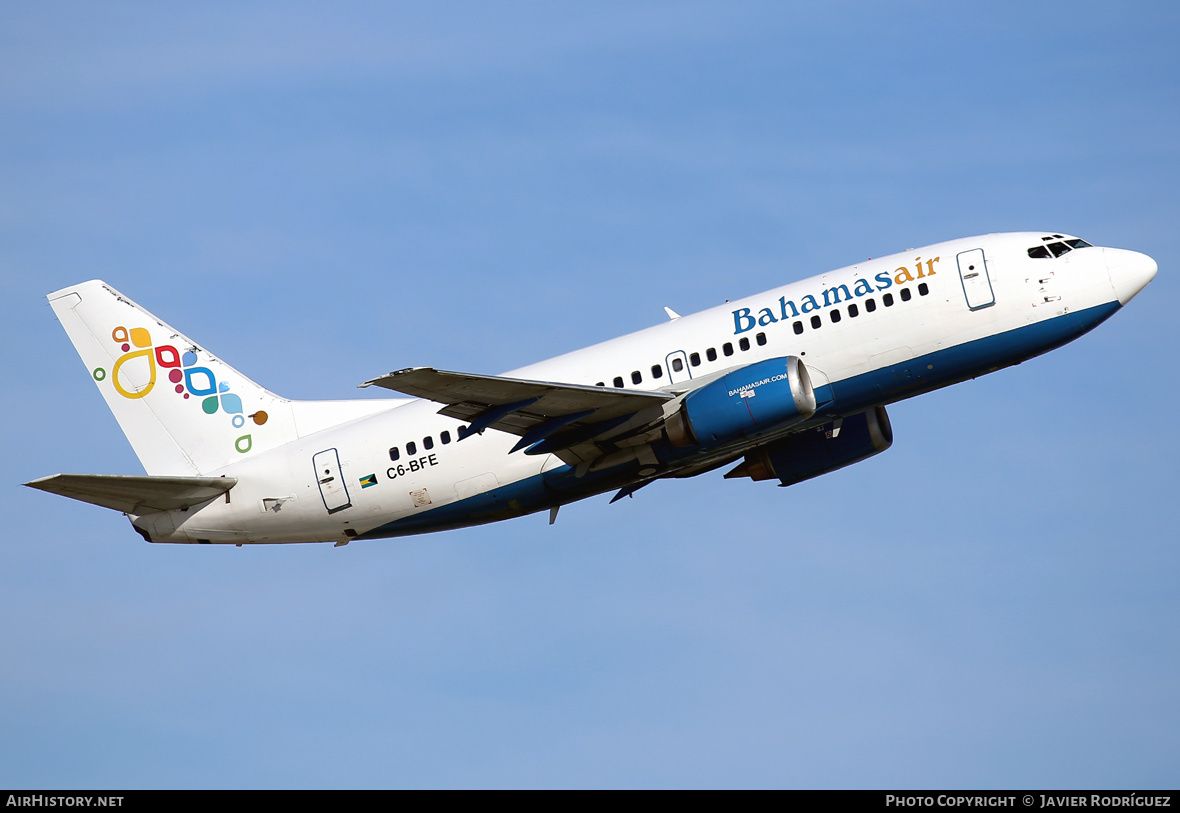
[[135, 373]]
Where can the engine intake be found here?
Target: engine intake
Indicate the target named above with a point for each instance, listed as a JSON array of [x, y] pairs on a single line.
[[744, 402]]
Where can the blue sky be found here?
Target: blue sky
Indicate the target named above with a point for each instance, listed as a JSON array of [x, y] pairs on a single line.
[[321, 195]]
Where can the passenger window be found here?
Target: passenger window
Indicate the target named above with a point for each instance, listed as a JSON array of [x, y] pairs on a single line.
[[797, 327], [761, 339], [657, 371], [835, 315], [870, 305], [428, 443], [694, 360], [727, 349], [445, 437], [815, 321], [744, 343], [906, 295], [923, 289], [711, 354], [394, 454], [636, 377], [677, 365], [411, 448], [462, 432], [853, 311], [618, 382], [888, 300]]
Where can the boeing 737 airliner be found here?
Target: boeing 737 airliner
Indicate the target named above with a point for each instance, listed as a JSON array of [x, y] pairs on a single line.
[[785, 385]]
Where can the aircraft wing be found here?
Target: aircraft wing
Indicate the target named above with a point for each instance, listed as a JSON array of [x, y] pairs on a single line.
[[547, 415], [136, 494]]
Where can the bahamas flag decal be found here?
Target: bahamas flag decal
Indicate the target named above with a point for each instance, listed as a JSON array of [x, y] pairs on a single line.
[[368, 480]]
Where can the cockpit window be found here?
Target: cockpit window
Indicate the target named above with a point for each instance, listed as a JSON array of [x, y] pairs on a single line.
[[1057, 248]]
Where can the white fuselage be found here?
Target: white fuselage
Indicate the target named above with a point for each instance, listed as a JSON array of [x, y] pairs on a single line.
[[869, 334]]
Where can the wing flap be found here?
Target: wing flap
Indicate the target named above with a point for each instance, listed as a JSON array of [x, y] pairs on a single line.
[[135, 494]]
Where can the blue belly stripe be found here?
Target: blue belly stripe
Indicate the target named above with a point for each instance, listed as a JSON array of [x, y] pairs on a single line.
[[845, 397]]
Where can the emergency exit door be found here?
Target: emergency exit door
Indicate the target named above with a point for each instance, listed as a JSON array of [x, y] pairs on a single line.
[[678, 371]]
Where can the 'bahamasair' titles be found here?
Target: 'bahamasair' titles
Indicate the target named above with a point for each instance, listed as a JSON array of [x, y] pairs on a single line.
[[744, 319]]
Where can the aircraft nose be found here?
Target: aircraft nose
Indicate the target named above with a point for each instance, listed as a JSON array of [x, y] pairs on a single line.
[[1129, 272]]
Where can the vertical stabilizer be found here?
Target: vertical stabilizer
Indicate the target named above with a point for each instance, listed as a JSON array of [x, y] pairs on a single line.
[[184, 410]]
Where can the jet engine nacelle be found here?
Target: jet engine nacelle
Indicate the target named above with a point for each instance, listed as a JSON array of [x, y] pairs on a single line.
[[753, 399], [813, 452]]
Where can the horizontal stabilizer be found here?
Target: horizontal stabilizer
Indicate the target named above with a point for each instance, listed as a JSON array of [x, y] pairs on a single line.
[[136, 494]]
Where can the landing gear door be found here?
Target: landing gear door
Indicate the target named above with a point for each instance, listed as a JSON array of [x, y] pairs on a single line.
[[678, 367], [327, 474], [977, 285]]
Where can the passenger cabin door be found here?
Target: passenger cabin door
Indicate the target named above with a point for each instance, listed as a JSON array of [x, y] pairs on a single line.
[[678, 370], [977, 285], [331, 482]]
